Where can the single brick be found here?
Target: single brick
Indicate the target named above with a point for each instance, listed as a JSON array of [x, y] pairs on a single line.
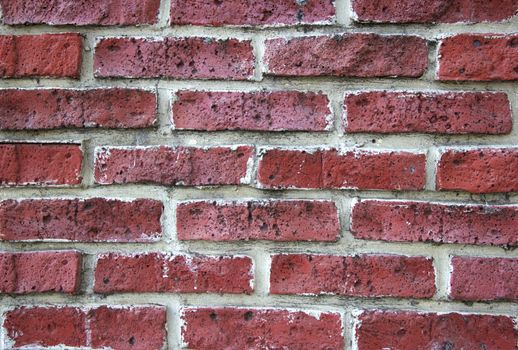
[[40, 164], [90, 12], [337, 169], [187, 166], [40, 272], [478, 57], [348, 55], [287, 220], [478, 279], [236, 328], [483, 170], [65, 108], [81, 220], [261, 12], [434, 11], [445, 113], [403, 221], [361, 275], [411, 330], [256, 111], [177, 58], [45, 55], [154, 272]]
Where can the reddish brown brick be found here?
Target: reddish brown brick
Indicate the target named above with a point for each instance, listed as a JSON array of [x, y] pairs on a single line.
[[40, 272], [154, 272], [233, 328], [479, 57], [81, 220], [45, 55], [257, 111], [163, 165], [348, 55], [40, 164], [402, 221], [362, 275], [291, 220], [178, 58], [445, 113]]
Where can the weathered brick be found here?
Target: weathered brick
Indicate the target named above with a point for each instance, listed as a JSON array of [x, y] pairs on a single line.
[[188, 166], [179, 58], [361, 275], [445, 113], [80, 220], [256, 111], [478, 57], [233, 328], [348, 55], [154, 272], [45, 55], [40, 272], [408, 221], [293, 220], [335, 169], [483, 170]]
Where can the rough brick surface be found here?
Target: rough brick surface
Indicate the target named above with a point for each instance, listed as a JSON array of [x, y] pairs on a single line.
[[352, 169], [349, 55], [362, 275], [180, 58], [409, 330], [259, 111], [154, 272], [40, 164], [484, 278], [478, 57], [232, 328], [483, 170], [186, 166], [88, 220], [40, 272], [445, 113], [64, 108], [402, 221], [258, 220], [46, 55]]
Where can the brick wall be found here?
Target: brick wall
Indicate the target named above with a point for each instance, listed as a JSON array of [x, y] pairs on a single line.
[[268, 174]]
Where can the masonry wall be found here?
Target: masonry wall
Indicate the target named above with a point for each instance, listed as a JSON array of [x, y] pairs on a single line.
[[259, 174]]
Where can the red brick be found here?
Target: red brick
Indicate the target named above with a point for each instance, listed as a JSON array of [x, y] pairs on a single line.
[[446, 113], [293, 220], [164, 165], [129, 328], [233, 328], [91, 12], [348, 55], [483, 170], [434, 11], [40, 272], [261, 12], [64, 108], [45, 55], [478, 279], [81, 220], [257, 111], [361, 275], [178, 58], [336, 169], [46, 326], [402, 221], [478, 57], [410, 330], [40, 164]]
